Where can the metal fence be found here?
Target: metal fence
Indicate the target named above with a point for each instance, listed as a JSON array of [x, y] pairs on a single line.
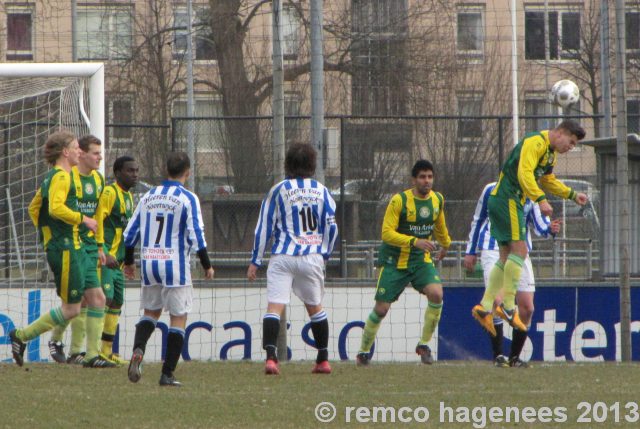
[[366, 160]]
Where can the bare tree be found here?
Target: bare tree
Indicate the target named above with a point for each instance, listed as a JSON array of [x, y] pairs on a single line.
[[156, 80]]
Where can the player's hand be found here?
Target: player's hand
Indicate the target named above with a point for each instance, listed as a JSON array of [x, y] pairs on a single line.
[[252, 272], [111, 262], [581, 199], [208, 274], [90, 223], [426, 245], [101, 257], [129, 271], [470, 262], [442, 253], [545, 208], [555, 225]]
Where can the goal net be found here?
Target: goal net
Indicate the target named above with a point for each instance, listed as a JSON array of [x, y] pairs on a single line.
[[35, 101]]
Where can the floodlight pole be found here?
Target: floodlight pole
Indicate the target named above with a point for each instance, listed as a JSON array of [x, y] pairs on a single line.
[[317, 86], [605, 128], [278, 152], [191, 151], [622, 179], [514, 72]]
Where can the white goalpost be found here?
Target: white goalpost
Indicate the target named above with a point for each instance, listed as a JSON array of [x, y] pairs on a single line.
[[36, 99], [22, 80]]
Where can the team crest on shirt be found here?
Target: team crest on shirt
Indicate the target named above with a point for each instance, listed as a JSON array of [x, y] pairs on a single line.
[[88, 188], [424, 212], [127, 204], [551, 158]]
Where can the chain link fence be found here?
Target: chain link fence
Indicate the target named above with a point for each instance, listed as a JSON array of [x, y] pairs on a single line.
[[368, 159]]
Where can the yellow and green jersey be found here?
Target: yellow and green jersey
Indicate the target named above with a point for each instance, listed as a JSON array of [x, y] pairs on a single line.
[[54, 211], [88, 190], [115, 208], [529, 163], [408, 218]]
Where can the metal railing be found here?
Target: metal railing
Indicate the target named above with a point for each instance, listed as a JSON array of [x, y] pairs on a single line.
[[581, 253], [561, 258]]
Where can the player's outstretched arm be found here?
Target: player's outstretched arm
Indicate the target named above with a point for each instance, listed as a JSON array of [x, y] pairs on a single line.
[[581, 198]]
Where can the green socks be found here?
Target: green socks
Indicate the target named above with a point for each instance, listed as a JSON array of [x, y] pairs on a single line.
[[431, 319], [78, 331], [369, 333], [512, 273], [58, 333], [111, 317], [94, 330], [44, 323], [496, 277]]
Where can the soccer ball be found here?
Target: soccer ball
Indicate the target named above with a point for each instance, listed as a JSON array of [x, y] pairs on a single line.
[[564, 93]]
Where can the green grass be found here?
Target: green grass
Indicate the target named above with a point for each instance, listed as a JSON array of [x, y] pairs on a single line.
[[238, 395]]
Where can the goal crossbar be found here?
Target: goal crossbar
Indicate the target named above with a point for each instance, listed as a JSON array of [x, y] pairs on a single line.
[[94, 72]]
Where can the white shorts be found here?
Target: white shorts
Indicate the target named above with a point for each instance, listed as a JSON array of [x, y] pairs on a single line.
[[527, 280], [177, 301], [304, 274]]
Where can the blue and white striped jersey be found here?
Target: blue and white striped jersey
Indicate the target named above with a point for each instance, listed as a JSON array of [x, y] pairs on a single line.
[[169, 221], [480, 237], [300, 216]]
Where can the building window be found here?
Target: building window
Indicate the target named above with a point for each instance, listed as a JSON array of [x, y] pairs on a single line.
[[378, 79], [291, 26], [120, 112], [208, 134], [563, 36], [632, 24], [104, 33], [469, 127], [19, 33], [470, 32], [379, 16], [202, 41], [633, 116], [379, 57], [538, 106]]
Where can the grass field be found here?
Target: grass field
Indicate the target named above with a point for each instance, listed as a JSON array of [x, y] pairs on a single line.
[[238, 395]]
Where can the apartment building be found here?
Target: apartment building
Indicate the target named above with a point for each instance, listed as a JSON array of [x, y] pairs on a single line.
[[383, 58]]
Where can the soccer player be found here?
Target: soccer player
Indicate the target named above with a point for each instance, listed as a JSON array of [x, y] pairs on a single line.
[[54, 210], [115, 208], [412, 219], [169, 220], [529, 163], [480, 239], [89, 184], [299, 214]]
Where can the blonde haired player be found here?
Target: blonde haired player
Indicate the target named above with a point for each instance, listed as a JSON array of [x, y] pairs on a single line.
[[54, 211]]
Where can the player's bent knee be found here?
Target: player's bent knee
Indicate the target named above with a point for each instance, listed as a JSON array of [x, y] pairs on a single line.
[[434, 293], [70, 311], [526, 310], [381, 309]]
